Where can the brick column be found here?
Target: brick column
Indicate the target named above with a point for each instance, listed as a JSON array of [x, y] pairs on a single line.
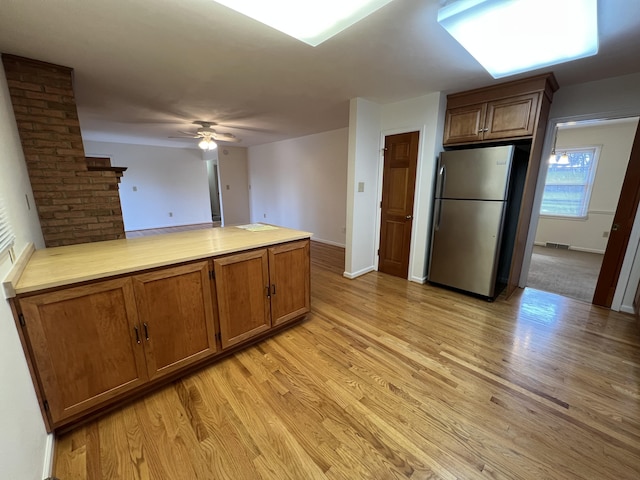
[[75, 205]]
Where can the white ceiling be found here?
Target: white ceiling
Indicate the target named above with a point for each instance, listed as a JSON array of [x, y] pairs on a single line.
[[146, 69]]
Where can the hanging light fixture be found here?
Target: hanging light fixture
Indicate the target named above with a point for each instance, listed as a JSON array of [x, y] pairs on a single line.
[[552, 157], [564, 159]]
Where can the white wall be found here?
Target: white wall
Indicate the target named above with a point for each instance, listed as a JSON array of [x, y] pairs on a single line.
[[615, 140], [166, 180], [425, 114], [302, 183], [369, 123], [23, 439], [234, 183], [364, 155]]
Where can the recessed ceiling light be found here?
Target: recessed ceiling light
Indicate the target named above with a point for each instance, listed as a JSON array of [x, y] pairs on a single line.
[[513, 36], [313, 22]]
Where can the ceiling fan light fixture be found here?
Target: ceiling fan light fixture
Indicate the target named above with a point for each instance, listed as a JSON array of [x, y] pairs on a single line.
[[207, 144], [508, 37], [311, 22]]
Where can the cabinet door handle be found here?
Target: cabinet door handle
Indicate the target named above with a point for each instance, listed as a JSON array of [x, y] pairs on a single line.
[[268, 291], [273, 289], [146, 331], [137, 334]]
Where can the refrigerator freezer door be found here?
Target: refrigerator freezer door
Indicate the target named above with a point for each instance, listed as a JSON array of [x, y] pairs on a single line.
[[478, 173], [465, 245]]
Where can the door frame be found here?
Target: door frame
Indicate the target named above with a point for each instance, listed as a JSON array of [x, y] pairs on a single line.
[[416, 194], [634, 239]]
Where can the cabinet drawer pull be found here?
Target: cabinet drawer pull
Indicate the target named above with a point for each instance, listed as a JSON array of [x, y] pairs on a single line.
[[273, 289], [146, 331], [137, 334]]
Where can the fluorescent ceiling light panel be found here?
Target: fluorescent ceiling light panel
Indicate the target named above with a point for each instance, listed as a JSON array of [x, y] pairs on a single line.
[[513, 36], [313, 22]]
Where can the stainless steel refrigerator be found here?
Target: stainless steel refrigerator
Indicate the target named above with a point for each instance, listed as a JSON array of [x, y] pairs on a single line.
[[470, 207]]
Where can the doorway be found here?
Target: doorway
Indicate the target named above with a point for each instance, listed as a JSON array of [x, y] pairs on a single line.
[[580, 208], [214, 192], [398, 190]]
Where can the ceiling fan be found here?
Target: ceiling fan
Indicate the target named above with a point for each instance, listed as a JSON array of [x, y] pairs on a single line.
[[208, 135]]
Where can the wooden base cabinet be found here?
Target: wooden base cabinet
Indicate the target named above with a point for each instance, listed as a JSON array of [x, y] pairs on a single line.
[[260, 289], [95, 342], [176, 317], [289, 275], [91, 345], [84, 346]]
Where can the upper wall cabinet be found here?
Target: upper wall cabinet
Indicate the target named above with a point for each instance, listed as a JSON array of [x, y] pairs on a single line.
[[501, 112]]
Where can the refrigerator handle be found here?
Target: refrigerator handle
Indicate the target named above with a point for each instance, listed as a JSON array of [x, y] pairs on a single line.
[[438, 209], [442, 176]]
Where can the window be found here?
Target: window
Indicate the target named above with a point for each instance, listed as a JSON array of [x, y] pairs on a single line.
[[567, 189], [6, 234]]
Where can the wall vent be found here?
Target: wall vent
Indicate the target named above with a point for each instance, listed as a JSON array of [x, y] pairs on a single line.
[[562, 246]]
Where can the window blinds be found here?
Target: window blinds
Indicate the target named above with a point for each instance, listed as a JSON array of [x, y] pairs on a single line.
[[6, 233]]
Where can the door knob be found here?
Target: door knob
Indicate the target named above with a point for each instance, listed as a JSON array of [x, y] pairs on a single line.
[[408, 217], [615, 227]]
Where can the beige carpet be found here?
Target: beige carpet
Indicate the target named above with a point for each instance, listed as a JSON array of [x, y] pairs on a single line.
[[566, 272]]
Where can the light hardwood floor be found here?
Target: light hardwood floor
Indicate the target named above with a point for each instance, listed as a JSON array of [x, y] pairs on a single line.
[[388, 379]]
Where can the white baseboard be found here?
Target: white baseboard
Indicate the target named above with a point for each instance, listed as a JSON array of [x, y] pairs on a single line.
[[328, 242], [420, 280], [627, 309], [47, 467], [577, 249], [352, 275], [588, 250]]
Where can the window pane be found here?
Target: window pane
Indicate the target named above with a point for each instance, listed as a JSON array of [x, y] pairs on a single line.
[[568, 184]]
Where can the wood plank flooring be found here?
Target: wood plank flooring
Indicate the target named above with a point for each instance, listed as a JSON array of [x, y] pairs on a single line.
[[388, 379]]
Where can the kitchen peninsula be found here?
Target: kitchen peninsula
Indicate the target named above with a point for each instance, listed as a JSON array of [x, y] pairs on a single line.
[[101, 322]]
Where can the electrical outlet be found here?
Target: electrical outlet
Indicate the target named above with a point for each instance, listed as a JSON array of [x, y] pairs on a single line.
[[171, 214], [605, 234], [360, 186], [135, 189], [264, 215]]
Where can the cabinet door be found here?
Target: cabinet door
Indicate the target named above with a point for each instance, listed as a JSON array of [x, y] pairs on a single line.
[[512, 117], [84, 343], [176, 316], [289, 276], [464, 124], [243, 291]]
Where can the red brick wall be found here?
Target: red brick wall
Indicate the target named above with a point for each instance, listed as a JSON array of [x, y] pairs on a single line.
[[75, 205]]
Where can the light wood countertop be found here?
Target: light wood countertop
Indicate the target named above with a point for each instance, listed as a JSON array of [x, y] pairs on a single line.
[[59, 266]]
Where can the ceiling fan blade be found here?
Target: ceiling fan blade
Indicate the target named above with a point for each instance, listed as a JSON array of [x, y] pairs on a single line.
[[184, 136], [191, 134], [225, 137]]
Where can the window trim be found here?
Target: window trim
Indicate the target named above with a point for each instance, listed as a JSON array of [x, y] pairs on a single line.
[[590, 182], [7, 236]]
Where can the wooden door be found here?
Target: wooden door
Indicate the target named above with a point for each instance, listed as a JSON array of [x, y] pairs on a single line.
[[511, 117], [289, 276], [620, 230], [243, 292], [398, 186], [86, 345], [176, 316], [464, 124]]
